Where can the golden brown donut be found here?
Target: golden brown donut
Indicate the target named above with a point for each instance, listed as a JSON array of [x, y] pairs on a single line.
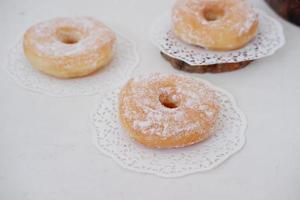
[[167, 111], [214, 24], [69, 47]]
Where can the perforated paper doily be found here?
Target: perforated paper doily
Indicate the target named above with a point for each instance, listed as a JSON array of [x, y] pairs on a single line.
[[269, 38], [228, 138], [111, 76]]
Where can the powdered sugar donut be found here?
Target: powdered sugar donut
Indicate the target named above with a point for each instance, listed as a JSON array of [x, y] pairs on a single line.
[[214, 24], [69, 47], [166, 111]]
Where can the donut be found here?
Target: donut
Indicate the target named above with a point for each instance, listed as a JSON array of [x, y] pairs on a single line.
[[69, 47], [221, 25], [168, 111]]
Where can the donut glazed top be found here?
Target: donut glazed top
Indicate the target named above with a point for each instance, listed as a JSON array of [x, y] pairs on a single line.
[[168, 105], [67, 37], [214, 24]]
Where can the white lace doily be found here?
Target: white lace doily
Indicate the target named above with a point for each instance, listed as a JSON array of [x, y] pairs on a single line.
[[228, 138], [111, 76], [269, 38]]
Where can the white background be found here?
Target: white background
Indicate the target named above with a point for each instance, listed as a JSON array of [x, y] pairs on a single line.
[[46, 149]]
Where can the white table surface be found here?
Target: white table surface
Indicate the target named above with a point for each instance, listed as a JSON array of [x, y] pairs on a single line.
[[46, 149]]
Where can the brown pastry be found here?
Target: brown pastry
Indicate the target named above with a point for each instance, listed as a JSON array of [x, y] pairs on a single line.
[[221, 25], [69, 47], [168, 111]]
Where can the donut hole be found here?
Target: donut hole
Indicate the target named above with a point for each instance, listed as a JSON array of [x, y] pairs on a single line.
[[69, 35], [213, 13], [169, 101]]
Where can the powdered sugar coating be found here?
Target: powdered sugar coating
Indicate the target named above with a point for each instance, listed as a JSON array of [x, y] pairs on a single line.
[[238, 18], [43, 36], [196, 108]]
